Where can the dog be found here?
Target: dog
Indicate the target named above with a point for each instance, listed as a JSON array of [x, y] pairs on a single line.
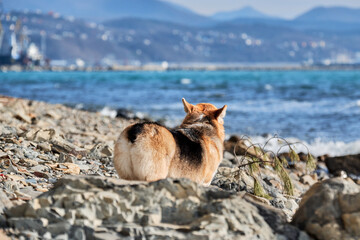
[[149, 151]]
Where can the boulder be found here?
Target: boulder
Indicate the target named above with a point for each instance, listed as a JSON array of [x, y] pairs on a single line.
[[4, 201], [330, 210], [350, 164], [178, 209]]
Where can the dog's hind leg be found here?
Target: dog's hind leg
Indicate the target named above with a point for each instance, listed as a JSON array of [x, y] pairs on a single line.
[[122, 159], [144, 152], [151, 154]]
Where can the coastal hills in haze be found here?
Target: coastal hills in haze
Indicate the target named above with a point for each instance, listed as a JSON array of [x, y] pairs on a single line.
[[246, 12], [102, 10], [331, 14], [124, 31]]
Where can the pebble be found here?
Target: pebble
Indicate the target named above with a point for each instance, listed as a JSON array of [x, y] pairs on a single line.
[[228, 155], [291, 205], [308, 180], [39, 168], [46, 147]]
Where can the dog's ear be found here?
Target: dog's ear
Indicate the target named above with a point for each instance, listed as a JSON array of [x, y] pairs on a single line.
[[187, 106], [220, 114]]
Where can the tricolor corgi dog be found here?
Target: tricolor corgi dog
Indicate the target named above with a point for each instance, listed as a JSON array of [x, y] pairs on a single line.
[[149, 152]]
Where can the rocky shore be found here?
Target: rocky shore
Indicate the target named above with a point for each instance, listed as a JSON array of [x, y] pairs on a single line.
[[57, 181]]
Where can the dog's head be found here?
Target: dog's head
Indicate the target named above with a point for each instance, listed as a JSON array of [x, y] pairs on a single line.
[[204, 113]]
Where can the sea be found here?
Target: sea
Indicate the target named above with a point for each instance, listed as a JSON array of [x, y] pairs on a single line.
[[320, 109]]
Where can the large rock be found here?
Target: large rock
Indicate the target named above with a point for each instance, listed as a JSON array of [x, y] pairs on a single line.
[[330, 210], [166, 209], [350, 164], [4, 201]]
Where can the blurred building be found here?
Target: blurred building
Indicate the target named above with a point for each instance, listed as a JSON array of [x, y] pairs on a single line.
[[15, 46]]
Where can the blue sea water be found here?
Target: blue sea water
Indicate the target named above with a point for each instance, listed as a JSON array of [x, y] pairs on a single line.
[[321, 108]]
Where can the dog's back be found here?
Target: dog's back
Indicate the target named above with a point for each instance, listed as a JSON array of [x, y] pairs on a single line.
[[149, 151]]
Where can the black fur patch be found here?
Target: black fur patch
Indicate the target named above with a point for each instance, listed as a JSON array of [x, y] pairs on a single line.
[[134, 131], [137, 129], [189, 149]]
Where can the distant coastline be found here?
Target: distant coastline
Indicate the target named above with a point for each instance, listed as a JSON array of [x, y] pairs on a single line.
[[187, 67]]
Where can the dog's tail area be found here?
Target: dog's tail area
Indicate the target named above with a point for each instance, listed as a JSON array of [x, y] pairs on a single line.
[[144, 152]]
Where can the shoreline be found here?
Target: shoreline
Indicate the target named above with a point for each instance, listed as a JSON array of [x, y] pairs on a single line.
[[187, 67], [133, 116]]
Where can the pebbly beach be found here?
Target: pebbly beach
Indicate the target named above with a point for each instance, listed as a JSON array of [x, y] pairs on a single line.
[[58, 182]]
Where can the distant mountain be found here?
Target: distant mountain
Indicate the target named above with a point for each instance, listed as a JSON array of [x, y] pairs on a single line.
[[101, 10], [246, 12], [331, 14], [338, 19]]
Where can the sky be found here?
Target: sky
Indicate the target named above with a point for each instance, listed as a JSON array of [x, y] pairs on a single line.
[[280, 8]]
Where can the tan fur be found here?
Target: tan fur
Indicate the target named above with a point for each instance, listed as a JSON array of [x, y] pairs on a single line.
[[158, 153]]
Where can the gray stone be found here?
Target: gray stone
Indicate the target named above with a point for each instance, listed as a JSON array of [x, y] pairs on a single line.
[[100, 151], [78, 234], [21, 224], [160, 207], [66, 158], [47, 236], [229, 155], [31, 154], [45, 146], [226, 163], [324, 210], [7, 131], [60, 145], [350, 164], [105, 236], [291, 205], [44, 135], [59, 228], [350, 203], [4, 201], [30, 235], [62, 237], [40, 168]]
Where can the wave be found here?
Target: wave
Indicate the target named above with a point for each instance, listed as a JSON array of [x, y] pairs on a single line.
[[317, 147], [108, 112], [290, 106]]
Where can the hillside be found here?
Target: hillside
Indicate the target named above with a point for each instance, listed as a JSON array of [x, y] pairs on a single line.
[[331, 19], [331, 14], [101, 10]]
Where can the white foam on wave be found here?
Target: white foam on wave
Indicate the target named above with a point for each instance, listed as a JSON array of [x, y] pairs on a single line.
[[318, 147], [185, 81], [268, 87], [358, 103], [108, 112], [79, 106], [168, 106]]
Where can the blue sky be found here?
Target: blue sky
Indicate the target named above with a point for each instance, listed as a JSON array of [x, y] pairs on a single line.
[[280, 8]]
